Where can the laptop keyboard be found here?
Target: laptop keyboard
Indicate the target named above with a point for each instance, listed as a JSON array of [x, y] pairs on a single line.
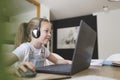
[[59, 68]]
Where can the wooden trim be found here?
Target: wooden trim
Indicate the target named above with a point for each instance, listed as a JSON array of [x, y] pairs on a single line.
[[37, 4]]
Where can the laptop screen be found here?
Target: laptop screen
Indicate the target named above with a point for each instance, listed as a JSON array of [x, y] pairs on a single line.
[[84, 48]]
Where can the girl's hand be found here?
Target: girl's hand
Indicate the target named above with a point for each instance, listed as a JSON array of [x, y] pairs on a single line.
[[23, 66], [63, 61]]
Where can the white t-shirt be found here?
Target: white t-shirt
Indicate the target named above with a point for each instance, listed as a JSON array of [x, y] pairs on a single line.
[[27, 52]]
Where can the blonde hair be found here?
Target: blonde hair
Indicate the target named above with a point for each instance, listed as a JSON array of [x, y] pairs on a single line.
[[24, 31]]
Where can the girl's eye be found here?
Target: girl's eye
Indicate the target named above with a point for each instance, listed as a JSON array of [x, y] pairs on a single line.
[[46, 30]]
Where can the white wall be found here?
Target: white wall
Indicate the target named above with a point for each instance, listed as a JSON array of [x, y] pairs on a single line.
[[25, 17], [45, 12], [108, 26]]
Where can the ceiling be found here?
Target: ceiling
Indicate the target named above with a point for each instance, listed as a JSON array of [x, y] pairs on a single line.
[[59, 9]]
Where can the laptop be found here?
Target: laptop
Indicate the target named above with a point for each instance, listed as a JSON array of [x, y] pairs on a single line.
[[82, 53]]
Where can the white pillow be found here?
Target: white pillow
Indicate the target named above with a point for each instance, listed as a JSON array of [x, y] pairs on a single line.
[[114, 57]]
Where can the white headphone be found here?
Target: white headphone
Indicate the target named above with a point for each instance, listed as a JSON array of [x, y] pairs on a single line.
[[36, 31]]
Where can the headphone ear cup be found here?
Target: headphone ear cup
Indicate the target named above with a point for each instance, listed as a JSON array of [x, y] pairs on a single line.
[[36, 33]]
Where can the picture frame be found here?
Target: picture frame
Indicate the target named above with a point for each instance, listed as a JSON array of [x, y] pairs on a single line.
[[66, 37], [67, 49]]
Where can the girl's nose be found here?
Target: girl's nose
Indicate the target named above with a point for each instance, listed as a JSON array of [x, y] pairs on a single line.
[[49, 35]]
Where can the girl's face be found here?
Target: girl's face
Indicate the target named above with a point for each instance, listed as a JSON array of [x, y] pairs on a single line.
[[45, 32]]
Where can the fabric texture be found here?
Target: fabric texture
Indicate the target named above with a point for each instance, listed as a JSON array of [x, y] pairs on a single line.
[[27, 52]]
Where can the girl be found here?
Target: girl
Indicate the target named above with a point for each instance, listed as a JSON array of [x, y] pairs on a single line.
[[30, 50]]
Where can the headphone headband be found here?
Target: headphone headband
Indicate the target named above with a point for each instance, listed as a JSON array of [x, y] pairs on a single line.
[[40, 21]]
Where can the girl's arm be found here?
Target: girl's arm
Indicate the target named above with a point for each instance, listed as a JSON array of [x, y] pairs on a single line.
[[10, 59], [55, 60], [52, 58]]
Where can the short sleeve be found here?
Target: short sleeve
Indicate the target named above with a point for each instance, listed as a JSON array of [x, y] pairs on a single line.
[[20, 51]]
